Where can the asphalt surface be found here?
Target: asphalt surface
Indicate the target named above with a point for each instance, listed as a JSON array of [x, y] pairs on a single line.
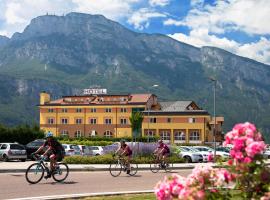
[[14, 185]]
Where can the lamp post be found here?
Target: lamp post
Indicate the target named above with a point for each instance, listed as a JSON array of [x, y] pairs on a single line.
[[148, 109], [214, 131]]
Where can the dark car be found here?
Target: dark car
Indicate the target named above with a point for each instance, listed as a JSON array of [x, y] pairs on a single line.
[[33, 146]]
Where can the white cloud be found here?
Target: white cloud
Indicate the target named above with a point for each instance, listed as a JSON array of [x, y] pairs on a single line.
[[173, 22], [140, 19], [259, 50], [245, 15], [16, 14], [112, 9], [159, 2]]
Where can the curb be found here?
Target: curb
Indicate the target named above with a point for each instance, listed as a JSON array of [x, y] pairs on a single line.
[[90, 169], [93, 169], [83, 195]]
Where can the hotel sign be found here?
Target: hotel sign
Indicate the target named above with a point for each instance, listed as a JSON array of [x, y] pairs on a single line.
[[95, 91]]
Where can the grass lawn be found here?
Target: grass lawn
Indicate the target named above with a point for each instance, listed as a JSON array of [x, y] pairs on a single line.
[[149, 196]]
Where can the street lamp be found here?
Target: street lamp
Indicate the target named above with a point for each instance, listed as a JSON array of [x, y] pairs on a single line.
[[148, 109], [214, 131]]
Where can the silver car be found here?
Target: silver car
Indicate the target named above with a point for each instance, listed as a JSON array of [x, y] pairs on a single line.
[[12, 151], [96, 150], [71, 150], [190, 156]]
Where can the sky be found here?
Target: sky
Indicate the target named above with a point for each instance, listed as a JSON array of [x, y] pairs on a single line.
[[239, 26]]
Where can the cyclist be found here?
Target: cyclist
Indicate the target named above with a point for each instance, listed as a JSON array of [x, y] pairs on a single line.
[[125, 151], [162, 151], [55, 151]]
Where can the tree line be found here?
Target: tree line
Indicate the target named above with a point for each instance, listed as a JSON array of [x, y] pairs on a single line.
[[21, 134]]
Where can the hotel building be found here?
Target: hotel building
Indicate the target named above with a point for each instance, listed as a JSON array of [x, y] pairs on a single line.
[[108, 116]]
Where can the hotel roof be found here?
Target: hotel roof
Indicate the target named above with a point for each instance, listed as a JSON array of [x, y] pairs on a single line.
[[100, 100]]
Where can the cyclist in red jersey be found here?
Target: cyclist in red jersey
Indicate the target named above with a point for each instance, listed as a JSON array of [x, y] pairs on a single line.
[[55, 151], [162, 151], [125, 151]]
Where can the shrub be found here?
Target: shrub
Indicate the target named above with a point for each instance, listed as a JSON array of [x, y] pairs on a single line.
[[246, 171], [108, 158]]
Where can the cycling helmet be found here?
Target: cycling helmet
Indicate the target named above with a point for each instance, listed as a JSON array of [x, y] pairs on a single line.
[[160, 141], [49, 134], [122, 140]]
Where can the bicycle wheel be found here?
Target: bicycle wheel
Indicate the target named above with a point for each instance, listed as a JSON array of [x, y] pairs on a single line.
[[133, 169], [115, 168], [34, 173], [168, 166], [61, 172], [155, 166]]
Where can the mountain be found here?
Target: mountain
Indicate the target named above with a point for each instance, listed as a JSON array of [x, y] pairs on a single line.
[[64, 54], [3, 41]]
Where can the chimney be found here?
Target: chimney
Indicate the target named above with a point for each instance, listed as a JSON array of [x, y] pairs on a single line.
[[44, 98]]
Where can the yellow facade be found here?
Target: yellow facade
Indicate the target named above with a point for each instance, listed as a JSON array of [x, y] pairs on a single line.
[[172, 126], [100, 117]]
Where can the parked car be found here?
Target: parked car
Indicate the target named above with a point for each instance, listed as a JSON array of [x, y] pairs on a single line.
[[96, 150], [266, 154], [71, 149], [189, 155], [12, 151], [223, 149], [204, 154], [85, 150], [206, 149], [33, 146]]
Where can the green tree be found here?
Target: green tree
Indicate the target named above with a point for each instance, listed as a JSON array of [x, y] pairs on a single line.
[[136, 124]]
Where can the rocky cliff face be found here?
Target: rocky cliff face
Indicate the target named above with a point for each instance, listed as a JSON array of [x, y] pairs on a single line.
[[3, 41], [62, 54]]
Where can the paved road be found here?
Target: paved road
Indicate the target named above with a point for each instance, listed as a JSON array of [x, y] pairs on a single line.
[[14, 185]]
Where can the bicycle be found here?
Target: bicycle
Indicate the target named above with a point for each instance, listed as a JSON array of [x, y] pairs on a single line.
[[158, 164], [119, 165], [35, 172]]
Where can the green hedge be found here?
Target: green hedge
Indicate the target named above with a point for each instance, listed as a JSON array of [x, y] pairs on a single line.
[[86, 142], [107, 159], [128, 139]]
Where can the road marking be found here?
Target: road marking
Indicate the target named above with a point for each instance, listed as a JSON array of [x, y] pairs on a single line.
[[82, 195]]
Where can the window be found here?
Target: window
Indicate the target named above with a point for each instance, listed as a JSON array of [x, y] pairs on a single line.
[[78, 121], [17, 147], [64, 133], [108, 110], [123, 121], [93, 110], [78, 134], [191, 120], [78, 110], [4, 146], [180, 135], [123, 110], [150, 133], [50, 121], [108, 134], [194, 136], [153, 120], [169, 120], [64, 110], [165, 135], [93, 121], [93, 133], [50, 110], [64, 121], [108, 121]]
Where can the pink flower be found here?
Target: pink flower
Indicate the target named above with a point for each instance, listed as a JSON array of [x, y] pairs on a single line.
[[210, 157], [255, 148], [247, 160]]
